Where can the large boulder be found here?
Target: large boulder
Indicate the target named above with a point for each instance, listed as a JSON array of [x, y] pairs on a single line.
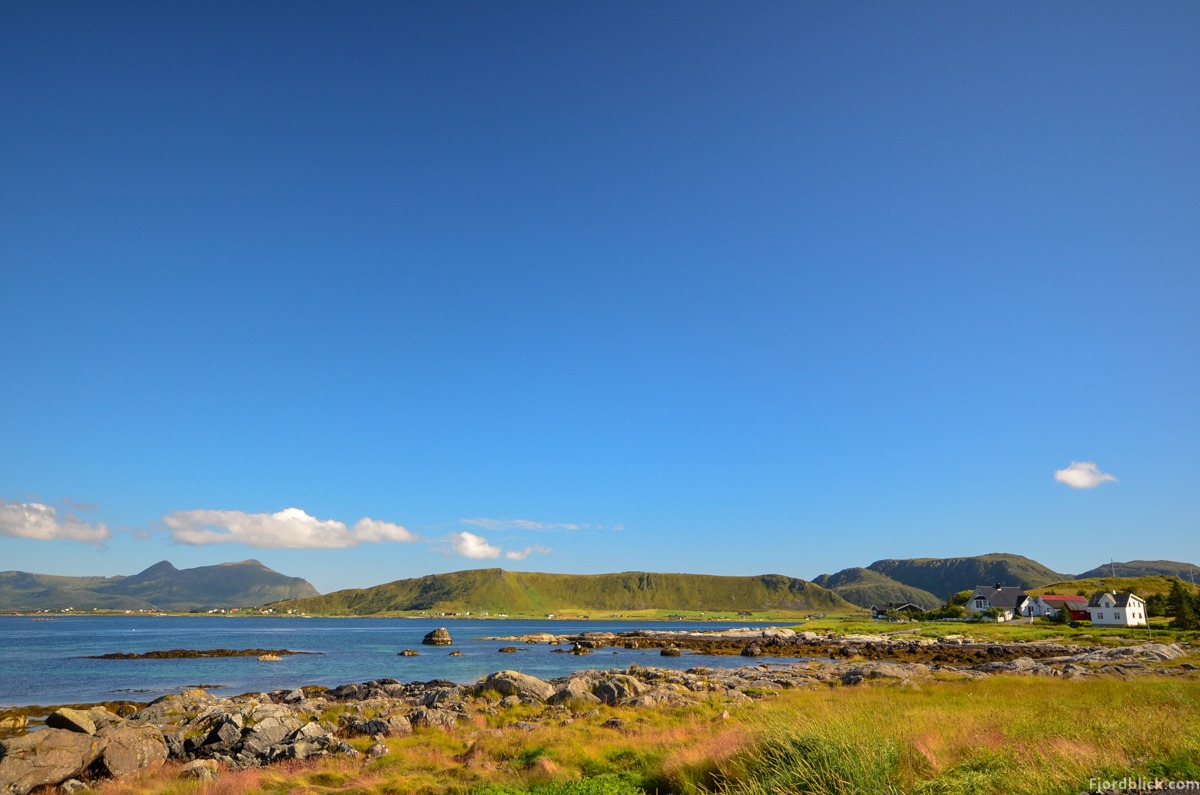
[[268, 733], [438, 637], [130, 748], [101, 717], [619, 688], [514, 683], [433, 719], [75, 720], [50, 756], [576, 689]]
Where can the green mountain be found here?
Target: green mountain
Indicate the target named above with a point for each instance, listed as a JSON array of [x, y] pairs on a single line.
[[865, 587], [944, 576], [162, 586], [500, 591], [1145, 568]]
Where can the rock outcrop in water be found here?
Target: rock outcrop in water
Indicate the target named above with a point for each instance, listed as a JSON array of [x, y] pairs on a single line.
[[438, 637]]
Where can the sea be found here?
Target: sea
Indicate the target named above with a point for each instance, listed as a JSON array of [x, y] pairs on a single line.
[[44, 662]]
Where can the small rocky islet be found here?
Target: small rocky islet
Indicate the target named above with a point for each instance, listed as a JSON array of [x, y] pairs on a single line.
[[183, 654], [210, 733]]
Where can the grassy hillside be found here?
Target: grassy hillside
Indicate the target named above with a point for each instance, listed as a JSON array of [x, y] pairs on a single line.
[[1142, 586], [1145, 568], [499, 591], [865, 587], [944, 576], [162, 587]]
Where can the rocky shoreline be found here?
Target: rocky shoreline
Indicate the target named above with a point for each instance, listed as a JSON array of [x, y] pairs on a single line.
[[171, 654], [209, 733]]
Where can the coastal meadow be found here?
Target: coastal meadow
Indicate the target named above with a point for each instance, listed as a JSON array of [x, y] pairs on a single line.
[[1010, 735]]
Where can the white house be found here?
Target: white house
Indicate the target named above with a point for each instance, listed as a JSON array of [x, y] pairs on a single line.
[[1009, 599], [1111, 609]]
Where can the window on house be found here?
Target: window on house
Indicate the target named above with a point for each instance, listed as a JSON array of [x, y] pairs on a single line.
[[1099, 615]]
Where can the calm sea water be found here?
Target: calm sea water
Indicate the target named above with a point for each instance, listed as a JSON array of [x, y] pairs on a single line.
[[41, 662]]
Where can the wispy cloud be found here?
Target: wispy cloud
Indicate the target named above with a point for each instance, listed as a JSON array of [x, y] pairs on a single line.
[[44, 523], [527, 551], [290, 528], [495, 525], [1083, 475], [472, 546]]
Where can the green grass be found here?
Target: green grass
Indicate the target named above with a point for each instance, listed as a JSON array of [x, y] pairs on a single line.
[[1085, 634], [1002, 735]]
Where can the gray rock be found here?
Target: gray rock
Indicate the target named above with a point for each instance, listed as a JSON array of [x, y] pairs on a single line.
[[75, 720], [616, 689], [433, 718], [49, 756], [669, 651], [378, 748], [575, 689], [73, 786], [201, 769], [514, 683], [129, 749], [101, 717], [224, 736], [271, 731], [311, 731]]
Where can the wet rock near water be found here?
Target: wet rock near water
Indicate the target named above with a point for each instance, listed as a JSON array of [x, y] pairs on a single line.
[[194, 653], [438, 637]]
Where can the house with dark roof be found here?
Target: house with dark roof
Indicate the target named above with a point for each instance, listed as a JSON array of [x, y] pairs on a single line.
[[906, 609], [1010, 600], [1112, 609], [1050, 605]]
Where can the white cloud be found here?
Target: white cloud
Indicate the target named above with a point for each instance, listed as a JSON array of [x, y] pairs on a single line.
[[472, 546], [521, 524], [1083, 475], [290, 528], [526, 552], [42, 522]]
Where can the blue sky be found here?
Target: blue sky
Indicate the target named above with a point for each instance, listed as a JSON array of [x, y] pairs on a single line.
[[372, 290]]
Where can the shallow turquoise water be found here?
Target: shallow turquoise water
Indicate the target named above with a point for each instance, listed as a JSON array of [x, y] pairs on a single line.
[[41, 662]]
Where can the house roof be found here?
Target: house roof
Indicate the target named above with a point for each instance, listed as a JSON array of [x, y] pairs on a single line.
[[1121, 599], [1055, 599], [1003, 596], [895, 606]]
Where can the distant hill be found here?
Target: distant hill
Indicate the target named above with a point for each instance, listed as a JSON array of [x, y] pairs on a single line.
[[1143, 586], [944, 576], [162, 586], [500, 591], [865, 587], [1145, 568]]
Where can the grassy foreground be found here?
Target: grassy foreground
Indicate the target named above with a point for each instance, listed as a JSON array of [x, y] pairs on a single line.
[[996, 735]]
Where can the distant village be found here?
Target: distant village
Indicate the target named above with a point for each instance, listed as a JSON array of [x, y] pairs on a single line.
[[1009, 602]]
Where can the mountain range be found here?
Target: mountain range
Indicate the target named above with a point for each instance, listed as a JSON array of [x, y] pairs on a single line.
[[926, 582], [247, 583]]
